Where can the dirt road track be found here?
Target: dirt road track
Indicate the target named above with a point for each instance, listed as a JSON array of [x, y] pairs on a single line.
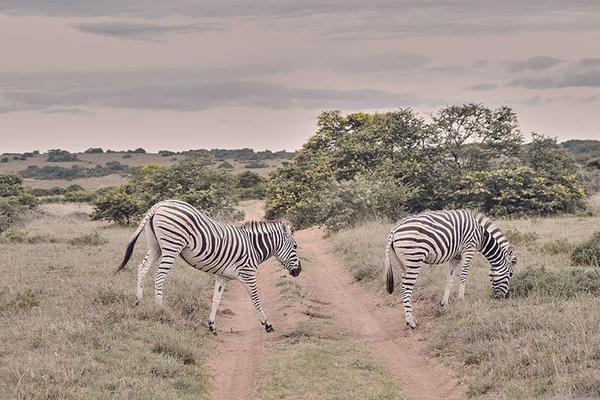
[[242, 343]]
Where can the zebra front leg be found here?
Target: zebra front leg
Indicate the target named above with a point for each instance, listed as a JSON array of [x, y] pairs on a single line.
[[467, 257], [449, 281], [250, 283], [219, 289], [408, 282]]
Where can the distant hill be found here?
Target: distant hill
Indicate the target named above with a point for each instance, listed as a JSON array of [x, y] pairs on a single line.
[[584, 151], [96, 168]]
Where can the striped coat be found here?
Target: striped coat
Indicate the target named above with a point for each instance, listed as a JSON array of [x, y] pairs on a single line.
[[437, 237]]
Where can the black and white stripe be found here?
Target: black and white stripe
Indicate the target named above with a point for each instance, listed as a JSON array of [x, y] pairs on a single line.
[[453, 236], [174, 228]]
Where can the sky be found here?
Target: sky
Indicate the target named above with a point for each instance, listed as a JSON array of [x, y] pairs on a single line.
[[187, 74]]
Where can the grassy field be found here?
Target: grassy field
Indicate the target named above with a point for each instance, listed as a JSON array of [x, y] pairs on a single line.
[[91, 160], [537, 344], [69, 328]]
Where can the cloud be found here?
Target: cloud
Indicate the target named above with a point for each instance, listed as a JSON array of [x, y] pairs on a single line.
[[483, 86], [533, 64], [348, 18], [585, 73], [180, 91], [382, 63], [138, 30]]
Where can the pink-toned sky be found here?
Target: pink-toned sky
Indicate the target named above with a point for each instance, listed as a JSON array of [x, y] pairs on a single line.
[[201, 74]]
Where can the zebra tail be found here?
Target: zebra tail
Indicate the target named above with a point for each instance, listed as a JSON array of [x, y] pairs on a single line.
[[134, 238], [389, 271]]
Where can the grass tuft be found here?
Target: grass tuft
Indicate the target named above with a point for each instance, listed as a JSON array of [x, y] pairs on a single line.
[[92, 239], [588, 252], [556, 283]]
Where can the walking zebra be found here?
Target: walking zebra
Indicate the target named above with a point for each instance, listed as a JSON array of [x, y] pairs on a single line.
[[455, 236], [230, 252]]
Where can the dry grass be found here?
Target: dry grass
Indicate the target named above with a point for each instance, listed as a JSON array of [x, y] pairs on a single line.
[[69, 330], [538, 345]]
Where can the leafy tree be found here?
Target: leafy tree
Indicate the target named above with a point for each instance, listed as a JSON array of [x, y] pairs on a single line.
[[117, 206], [250, 185], [475, 135], [14, 202], [547, 158]]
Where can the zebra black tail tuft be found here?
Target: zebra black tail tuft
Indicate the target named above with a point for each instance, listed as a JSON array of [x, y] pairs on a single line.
[[129, 250], [128, 253], [390, 281]]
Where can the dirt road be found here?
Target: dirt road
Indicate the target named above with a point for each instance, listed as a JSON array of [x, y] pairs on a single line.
[[242, 343]]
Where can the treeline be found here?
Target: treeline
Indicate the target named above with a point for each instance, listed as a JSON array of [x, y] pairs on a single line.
[[74, 172], [361, 165]]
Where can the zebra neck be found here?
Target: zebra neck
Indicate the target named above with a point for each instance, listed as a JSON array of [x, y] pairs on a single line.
[[264, 245], [493, 243]]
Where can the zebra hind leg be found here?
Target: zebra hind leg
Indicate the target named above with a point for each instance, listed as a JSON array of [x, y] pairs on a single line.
[[143, 268], [449, 281], [250, 283], [408, 282], [219, 289], [166, 263]]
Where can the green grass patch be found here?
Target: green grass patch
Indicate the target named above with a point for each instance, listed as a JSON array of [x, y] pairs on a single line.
[[324, 364], [565, 283]]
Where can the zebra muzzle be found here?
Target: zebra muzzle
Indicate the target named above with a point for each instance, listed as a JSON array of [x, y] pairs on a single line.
[[296, 271]]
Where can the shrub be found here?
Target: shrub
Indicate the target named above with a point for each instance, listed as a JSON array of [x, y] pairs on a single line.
[[11, 213], [559, 283], [79, 197], [58, 155], [350, 202], [94, 150], [256, 164], [4, 159], [250, 185], [127, 156], [588, 252], [166, 153], [116, 205], [139, 150], [76, 171], [225, 165], [557, 246], [92, 239]]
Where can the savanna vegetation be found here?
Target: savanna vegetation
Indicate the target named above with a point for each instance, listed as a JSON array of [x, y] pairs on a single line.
[[466, 156]]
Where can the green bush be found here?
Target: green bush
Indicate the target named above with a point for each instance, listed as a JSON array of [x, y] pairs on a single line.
[[76, 171], [94, 150], [14, 202], [116, 205], [4, 159], [250, 185], [58, 155], [347, 203], [79, 197], [559, 283], [588, 252], [11, 213], [192, 181], [166, 153]]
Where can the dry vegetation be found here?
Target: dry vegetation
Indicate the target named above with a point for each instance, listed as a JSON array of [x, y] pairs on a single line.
[[90, 160], [69, 330], [543, 342]]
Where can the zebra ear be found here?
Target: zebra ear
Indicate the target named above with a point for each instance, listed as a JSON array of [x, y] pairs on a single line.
[[289, 230]]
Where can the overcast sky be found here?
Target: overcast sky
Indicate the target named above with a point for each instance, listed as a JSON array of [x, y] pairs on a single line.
[[253, 73]]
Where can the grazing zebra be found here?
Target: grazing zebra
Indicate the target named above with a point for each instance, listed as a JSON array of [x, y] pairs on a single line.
[[230, 252], [437, 237]]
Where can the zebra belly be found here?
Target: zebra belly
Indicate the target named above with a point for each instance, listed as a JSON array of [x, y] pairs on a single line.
[[213, 268]]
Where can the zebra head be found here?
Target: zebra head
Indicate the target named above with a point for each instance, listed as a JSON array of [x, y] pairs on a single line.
[[287, 253], [502, 271]]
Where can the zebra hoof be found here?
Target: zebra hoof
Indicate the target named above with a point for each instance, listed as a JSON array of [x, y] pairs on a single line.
[[269, 328], [211, 328], [412, 324]]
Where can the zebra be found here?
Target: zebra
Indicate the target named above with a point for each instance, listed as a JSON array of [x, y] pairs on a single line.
[[436, 237], [228, 251]]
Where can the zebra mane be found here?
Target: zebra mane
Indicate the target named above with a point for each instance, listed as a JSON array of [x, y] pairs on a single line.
[[490, 226], [282, 224]]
